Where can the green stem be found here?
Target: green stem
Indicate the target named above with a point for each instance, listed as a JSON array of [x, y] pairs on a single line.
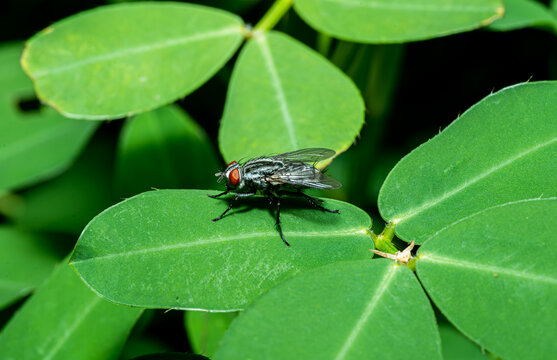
[[384, 241], [323, 44], [273, 15]]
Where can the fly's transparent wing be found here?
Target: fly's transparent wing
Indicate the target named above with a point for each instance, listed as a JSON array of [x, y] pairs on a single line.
[[310, 155], [300, 175]]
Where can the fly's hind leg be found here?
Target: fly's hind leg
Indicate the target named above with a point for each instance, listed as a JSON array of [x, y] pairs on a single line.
[[274, 199], [313, 201]]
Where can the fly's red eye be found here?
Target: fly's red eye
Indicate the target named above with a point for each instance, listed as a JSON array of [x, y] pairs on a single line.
[[234, 177], [232, 162]]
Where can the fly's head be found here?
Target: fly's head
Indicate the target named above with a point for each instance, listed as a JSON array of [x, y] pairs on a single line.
[[232, 174]]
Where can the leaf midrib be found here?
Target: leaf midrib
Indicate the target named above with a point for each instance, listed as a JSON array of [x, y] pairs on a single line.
[[400, 6], [219, 240], [70, 330], [357, 329], [235, 30], [281, 97], [487, 268], [409, 214]]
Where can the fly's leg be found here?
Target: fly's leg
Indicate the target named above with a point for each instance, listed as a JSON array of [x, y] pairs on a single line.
[[219, 195], [236, 196], [225, 211], [313, 201], [274, 199]]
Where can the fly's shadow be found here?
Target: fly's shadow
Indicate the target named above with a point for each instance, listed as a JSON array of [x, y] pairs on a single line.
[[289, 202]]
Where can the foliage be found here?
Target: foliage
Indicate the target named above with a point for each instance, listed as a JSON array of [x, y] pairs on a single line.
[[478, 199]]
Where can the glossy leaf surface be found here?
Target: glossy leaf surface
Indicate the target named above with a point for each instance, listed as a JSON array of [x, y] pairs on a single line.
[[500, 150], [347, 310], [35, 144], [160, 249], [525, 13], [164, 148], [388, 21], [492, 274], [66, 320], [25, 261], [119, 60], [283, 96]]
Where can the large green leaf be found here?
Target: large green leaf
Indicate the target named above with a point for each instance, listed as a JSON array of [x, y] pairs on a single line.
[[524, 13], [206, 329], [494, 276], [164, 148], [388, 21], [25, 261], [502, 149], [120, 60], [348, 310], [37, 144], [284, 96], [67, 203], [160, 249], [66, 320]]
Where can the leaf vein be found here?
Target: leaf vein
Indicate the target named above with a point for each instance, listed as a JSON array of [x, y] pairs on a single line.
[[427, 205], [70, 329], [367, 312], [139, 49], [275, 80], [488, 268], [219, 240]]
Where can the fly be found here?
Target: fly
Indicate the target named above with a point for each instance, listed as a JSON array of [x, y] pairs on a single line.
[[274, 176]]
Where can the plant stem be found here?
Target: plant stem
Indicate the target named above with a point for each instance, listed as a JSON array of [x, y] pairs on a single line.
[[384, 241], [273, 15]]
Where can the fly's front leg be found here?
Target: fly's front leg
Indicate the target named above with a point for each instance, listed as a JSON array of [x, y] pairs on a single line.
[[276, 200], [236, 197], [219, 195]]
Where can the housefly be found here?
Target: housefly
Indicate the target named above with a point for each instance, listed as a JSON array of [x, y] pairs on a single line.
[[274, 176]]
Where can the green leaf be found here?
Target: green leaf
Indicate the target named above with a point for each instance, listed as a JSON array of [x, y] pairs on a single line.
[[457, 347], [171, 356], [206, 329], [120, 60], [25, 261], [284, 96], [160, 249], [164, 148], [389, 21], [493, 276], [500, 150], [35, 144], [524, 13], [67, 203], [348, 310], [66, 320]]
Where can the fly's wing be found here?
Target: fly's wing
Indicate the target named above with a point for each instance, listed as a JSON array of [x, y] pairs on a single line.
[[300, 175], [310, 155]]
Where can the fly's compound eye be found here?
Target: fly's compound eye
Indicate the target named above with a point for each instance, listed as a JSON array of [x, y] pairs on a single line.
[[234, 177], [231, 163]]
